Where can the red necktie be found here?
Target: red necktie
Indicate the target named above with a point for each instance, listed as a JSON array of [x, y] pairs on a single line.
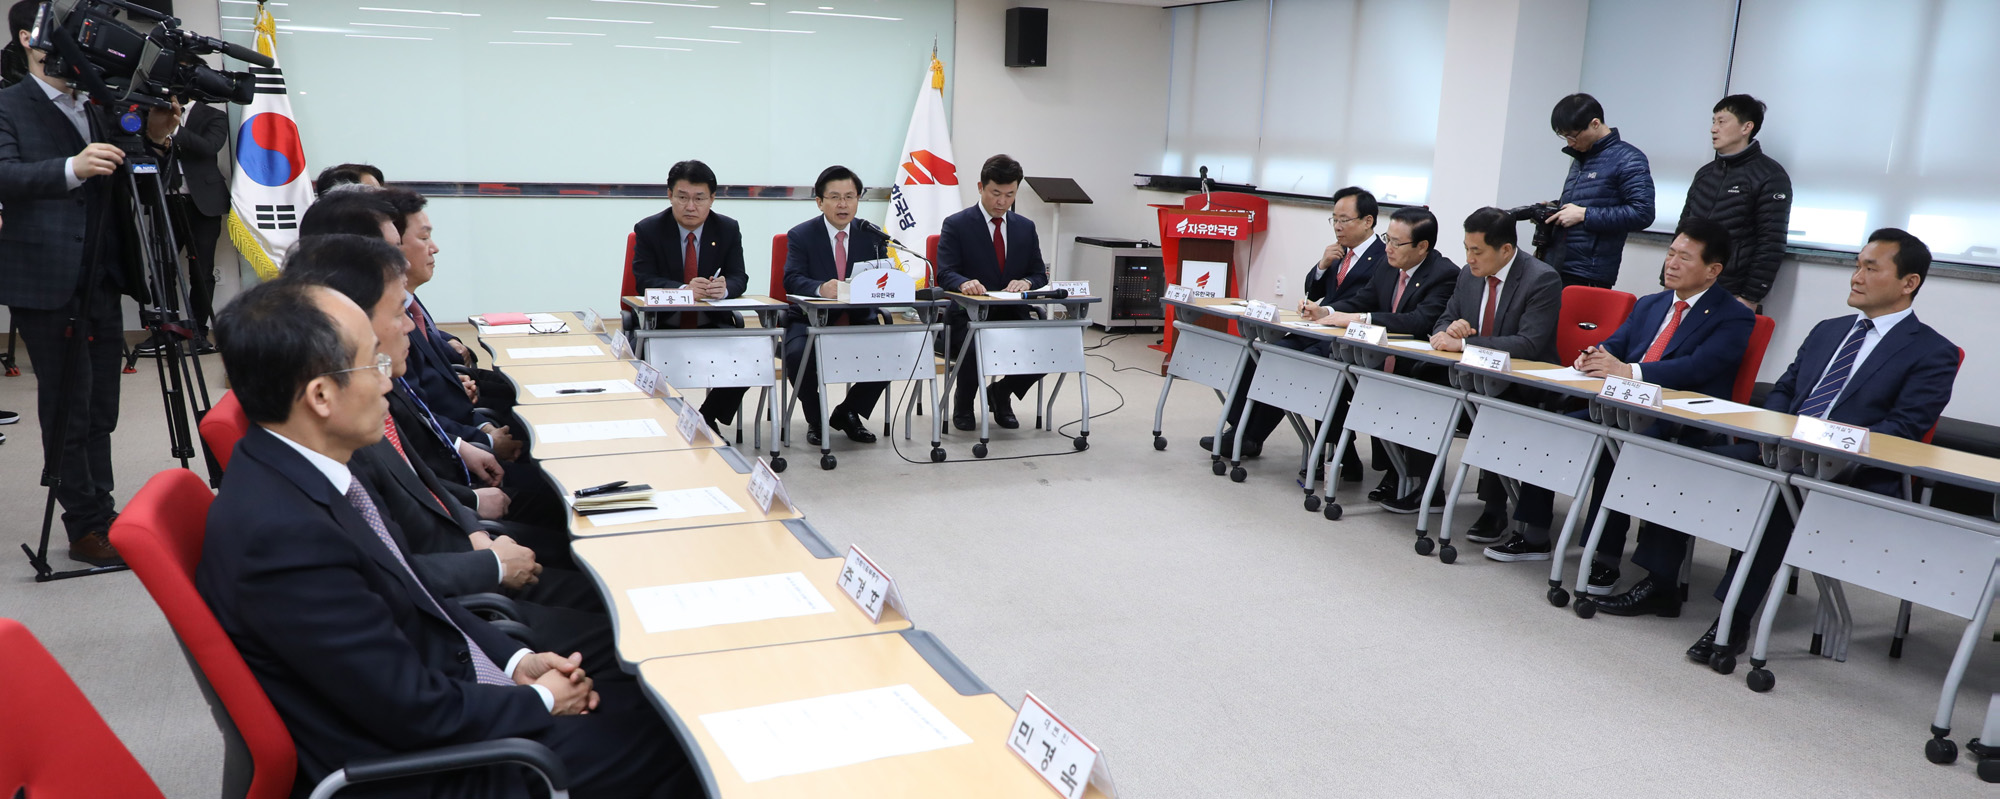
[[1486, 327], [690, 267], [1000, 250], [396, 440], [840, 254], [1345, 263], [1402, 281], [1659, 347]]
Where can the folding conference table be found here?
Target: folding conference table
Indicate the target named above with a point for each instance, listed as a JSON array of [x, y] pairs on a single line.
[[722, 469], [1415, 413], [549, 349], [613, 427], [566, 384], [720, 357], [868, 353], [1021, 347], [1211, 356], [1304, 386], [557, 322]]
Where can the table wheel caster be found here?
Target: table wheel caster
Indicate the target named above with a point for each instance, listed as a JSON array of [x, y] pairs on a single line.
[[1082, 443], [1558, 597], [1939, 749], [1447, 554], [1722, 663], [1760, 679], [1238, 474], [937, 454], [1312, 503], [1331, 511], [778, 464], [1218, 467], [1159, 442], [1585, 607], [1425, 545], [827, 461], [979, 450]]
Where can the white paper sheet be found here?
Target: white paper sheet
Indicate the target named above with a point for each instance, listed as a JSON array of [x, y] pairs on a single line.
[[519, 330], [687, 503], [569, 432], [1004, 295], [1423, 346], [663, 608], [582, 388], [735, 302], [1709, 406], [526, 353], [1565, 373], [1308, 325], [830, 731]]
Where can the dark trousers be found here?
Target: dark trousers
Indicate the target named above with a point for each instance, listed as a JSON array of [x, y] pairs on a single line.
[[804, 375], [196, 233], [1264, 419], [1577, 280], [621, 749], [83, 381], [968, 370]]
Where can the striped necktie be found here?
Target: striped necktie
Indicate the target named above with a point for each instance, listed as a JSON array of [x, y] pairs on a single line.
[[1837, 372], [436, 429], [487, 671]]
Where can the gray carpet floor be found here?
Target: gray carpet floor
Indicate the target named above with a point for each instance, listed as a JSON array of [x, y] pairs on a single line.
[[1213, 638]]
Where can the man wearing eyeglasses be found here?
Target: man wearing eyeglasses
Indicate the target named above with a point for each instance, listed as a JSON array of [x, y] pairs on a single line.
[[1609, 193], [690, 246]]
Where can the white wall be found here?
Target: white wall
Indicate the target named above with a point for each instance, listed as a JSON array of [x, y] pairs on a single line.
[[1097, 113]]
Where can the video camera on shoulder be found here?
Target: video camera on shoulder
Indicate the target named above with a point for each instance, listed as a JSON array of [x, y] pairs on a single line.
[[91, 44]]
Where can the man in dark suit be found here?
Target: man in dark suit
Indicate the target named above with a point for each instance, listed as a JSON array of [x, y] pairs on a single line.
[[314, 586], [1691, 337], [450, 550], [197, 197], [818, 255], [986, 248], [689, 246], [1347, 265], [1881, 369], [1405, 300], [1505, 300], [64, 207]]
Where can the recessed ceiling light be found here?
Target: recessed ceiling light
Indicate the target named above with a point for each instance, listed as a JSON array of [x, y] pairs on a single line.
[[419, 11], [373, 36], [537, 44], [657, 3], [388, 25], [650, 47]]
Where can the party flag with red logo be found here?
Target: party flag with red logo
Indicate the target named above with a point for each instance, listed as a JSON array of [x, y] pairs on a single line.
[[925, 188], [271, 188]]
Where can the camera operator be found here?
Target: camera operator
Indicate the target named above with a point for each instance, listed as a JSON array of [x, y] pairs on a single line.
[[55, 171], [197, 197], [1609, 193]]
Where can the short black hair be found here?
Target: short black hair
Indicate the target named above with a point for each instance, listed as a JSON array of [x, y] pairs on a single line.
[[1000, 170], [833, 173], [21, 17], [1496, 225], [1423, 224], [361, 267], [360, 213], [1913, 256], [1746, 109], [343, 174], [274, 341], [1710, 234], [693, 172], [405, 201], [1364, 201], [1574, 113]]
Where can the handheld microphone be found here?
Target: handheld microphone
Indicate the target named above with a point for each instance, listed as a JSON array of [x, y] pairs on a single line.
[[1046, 294]]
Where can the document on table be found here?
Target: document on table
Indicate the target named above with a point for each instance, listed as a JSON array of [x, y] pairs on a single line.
[[1004, 295], [571, 432], [537, 323], [1709, 406], [1565, 373], [525, 353], [735, 302], [830, 731], [687, 503], [663, 608], [1308, 325], [548, 390], [1422, 346]]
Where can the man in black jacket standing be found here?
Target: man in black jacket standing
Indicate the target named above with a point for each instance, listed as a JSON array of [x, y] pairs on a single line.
[[197, 197], [1748, 193]]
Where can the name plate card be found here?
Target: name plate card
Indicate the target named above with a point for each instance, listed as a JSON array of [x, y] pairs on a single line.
[[1483, 358], [1625, 389], [765, 486], [1180, 293], [878, 285], [1367, 333], [691, 425], [1063, 759], [620, 348], [869, 587], [592, 323], [648, 380], [1261, 311], [669, 296], [1832, 435], [1076, 288]]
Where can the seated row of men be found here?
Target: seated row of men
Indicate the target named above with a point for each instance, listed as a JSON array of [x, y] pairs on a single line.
[[983, 248], [1880, 368]]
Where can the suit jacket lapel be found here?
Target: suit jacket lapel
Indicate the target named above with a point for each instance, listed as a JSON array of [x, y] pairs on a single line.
[[1697, 319], [1898, 338], [412, 483], [54, 117]]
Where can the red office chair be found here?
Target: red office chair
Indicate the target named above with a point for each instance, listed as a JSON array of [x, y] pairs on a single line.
[[631, 285], [223, 426], [1753, 359], [778, 248], [1589, 315], [54, 744], [930, 267], [160, 534]]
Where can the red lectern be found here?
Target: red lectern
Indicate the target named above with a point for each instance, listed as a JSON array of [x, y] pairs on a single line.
[[1209, 227]]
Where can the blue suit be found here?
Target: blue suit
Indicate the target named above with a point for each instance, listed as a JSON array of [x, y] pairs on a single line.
[[808, 265]]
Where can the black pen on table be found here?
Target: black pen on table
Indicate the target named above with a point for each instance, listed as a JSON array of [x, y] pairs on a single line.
[[1698, 402], [580, 391]]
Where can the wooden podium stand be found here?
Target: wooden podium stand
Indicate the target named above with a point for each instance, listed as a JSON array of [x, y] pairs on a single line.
[[1220, 233]]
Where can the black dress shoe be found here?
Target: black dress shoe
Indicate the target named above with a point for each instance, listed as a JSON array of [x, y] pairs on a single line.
[[850, 423], [812, 436], [1487, 529], [1705, 648], [1407, 503], [9, 417], [1657, 597], [1386, 489], [1002, 407], [963, 421], [1251, 449]]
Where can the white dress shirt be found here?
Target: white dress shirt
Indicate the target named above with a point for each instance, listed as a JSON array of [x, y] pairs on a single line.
[[340, 476], [1882, 325], [1486, 287], [72, 106], [1638, 371]]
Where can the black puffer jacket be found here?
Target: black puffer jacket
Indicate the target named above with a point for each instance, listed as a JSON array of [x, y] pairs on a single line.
[[1614, 184], [1750, 194]]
